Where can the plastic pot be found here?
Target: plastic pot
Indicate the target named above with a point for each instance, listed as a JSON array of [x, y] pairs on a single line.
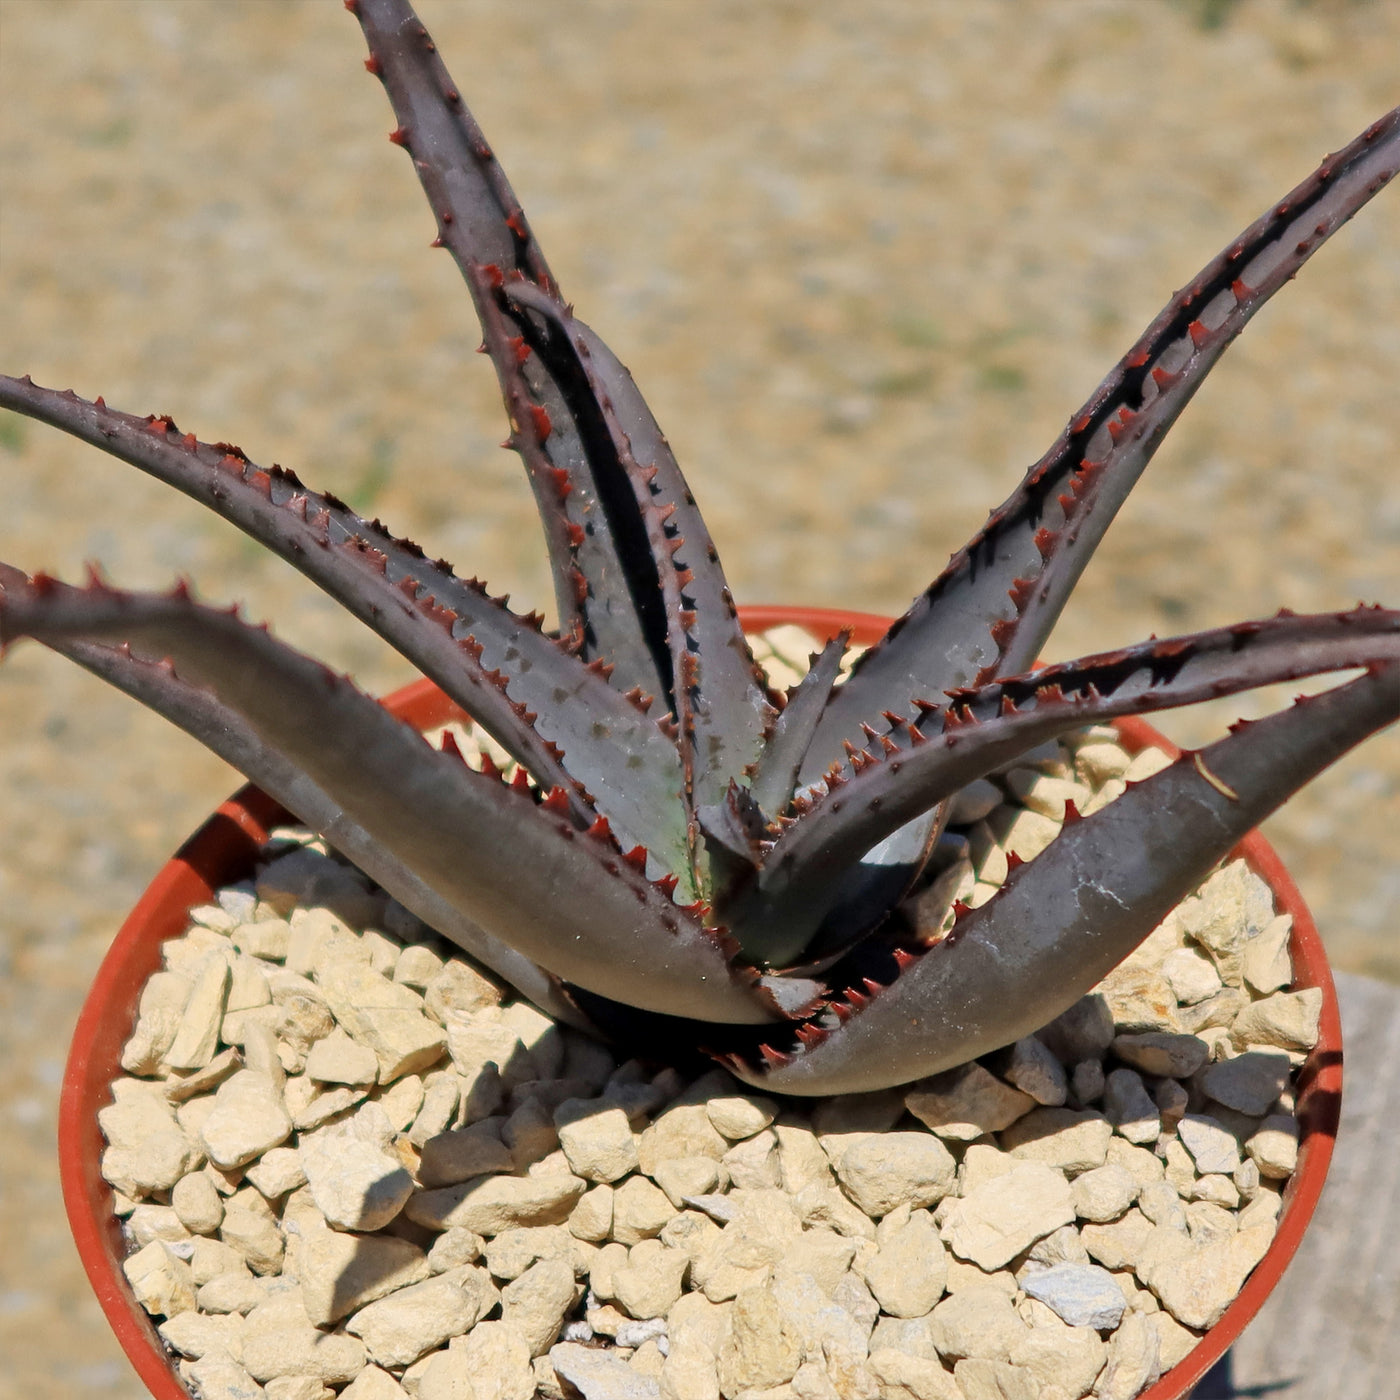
[[223, 851]]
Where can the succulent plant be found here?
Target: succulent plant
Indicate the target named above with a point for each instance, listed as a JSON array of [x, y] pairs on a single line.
[[681, 852]]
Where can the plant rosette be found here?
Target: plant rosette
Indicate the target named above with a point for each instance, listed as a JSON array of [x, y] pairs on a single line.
[[437, 1185]]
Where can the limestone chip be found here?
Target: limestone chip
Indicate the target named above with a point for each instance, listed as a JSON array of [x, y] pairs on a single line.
[[340, 1273], [412, 1321], [248, 1117], [908, 1273], [896, 1168], [357, 1181], [649, 1283], [1287, 1020], [161, 1281], [966, 1103], [536, 1303], [1073, 1140], [487, 1205], [1250, 1083], [385, 1016], [979, 1321], [1134, 1359], [597, 1139]]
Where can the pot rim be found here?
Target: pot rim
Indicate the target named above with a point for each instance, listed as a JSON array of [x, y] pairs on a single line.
[[222, 850]]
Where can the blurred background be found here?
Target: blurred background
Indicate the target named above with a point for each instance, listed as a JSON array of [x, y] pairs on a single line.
[[865, 258]]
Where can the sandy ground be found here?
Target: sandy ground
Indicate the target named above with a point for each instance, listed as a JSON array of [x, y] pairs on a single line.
[[864, 257]]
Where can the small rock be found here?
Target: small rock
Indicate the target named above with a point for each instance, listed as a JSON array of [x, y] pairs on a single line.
[[463, 1153], [1104, 1193], [220, 1377], [385, 1016], [196, 1202], [761, 1348], [1074, 1140], [1129, 1108], [1161, 1052], [1116, 1245], [1192, 976], [896, 1168], [251, 1228], [683, 1178], [753, 1163], [492, 1362], [1267, 965], [1140, 1000], [599, 1375], [978, 1321], [279, 1341], [591, 1218], [1213, 1148], [1134, 1359], [1083, 1032], [1250, 1083], [373, 1384], [412, 1321], [340, 1273], [354, 1176], [908, 1273], [336, 1059], [649, 1284], [487, 1205], [1197, 1282], [457, 986], [417, 965], [740, 1116], [193, 1334], [148, 1150], [920, 1377], [276, 1172], [1083, 1295], [249, 1116], [197, 1037], [1274, 1146], [1035, 1071], [162, 1283], [535, 1304], [597, 1139], [682, 1131], [966, 1103], [996, 1221], [1287, 1020], [640, 1210], [1087, 1083]]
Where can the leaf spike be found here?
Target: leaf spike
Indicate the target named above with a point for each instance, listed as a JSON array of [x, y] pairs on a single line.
[[1013, 861], [520, 780], [636, 857], [775, 1059], [600, 830], [556, 800], [448, 744]]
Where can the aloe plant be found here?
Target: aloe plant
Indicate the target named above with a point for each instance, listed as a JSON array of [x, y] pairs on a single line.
[[681, 851]]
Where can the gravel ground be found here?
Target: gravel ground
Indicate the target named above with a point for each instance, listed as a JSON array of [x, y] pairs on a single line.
[[882, 247]]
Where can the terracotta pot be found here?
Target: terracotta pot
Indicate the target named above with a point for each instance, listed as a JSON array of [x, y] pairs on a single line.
[[222, 851]]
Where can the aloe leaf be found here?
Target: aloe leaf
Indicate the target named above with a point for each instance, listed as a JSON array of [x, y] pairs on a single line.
[[594, 536], [979, 730], [1065, 919], [990, 611], [562, 720], [774, 779], [718, 694], [587, 914], [224, 732]]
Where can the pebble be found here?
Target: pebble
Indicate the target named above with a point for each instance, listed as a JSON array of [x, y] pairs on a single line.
[[1035, 1071], [462, 1153], [965, 1103], [198, 1205], [995, 1221], [908, 1272], [487, 1205], [1074, 1140], [1192, 976], [597, 1140], [248, 1117], [1197, 1282], [220, 1377], [598, 1375], [896, 1168], [1162, 1052], [385, 1016], [1083, 1295], [161, 1281], [1104, 1193], [1273, 1148], [1134, 1359], [340, 1273], [1288, 1020], [1213, 1147], [1267, 965], [979, 1321], [536, 1303], [1129, 1107], [412, 1321], [356, 1179]]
